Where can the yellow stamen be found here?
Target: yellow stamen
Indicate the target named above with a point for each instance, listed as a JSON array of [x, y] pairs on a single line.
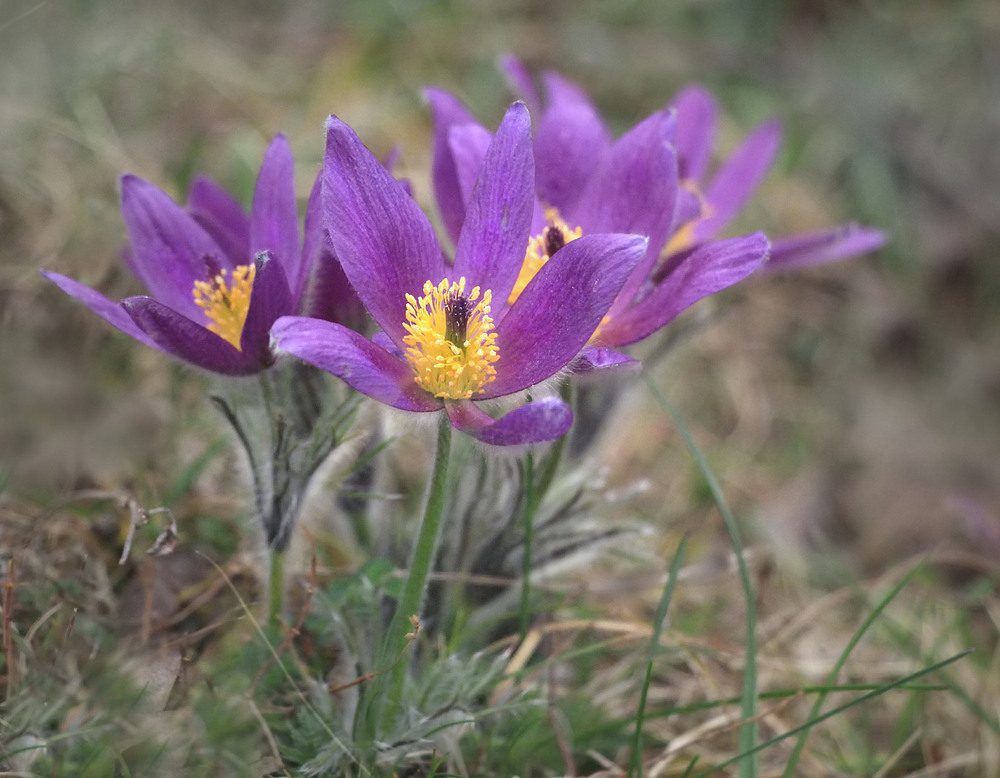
[[684, 237], [452, 345], [540, 247], [226, 303]]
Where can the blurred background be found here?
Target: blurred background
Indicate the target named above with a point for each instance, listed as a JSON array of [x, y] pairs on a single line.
[[857, 403], [851, 412]]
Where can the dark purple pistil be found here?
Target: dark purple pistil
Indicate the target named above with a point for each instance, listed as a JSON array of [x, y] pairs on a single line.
[[456, 314], [554, 240]]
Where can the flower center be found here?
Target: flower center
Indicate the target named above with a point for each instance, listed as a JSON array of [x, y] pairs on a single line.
[[541, 247], [452, 345], [226, 302], [684, 236]]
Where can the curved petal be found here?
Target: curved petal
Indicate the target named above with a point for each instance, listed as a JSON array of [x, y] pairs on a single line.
[[571, 137], [169, 250], [519, 80], [383, 240], [314, 242], [560, 308], [221, 217], [815, 248], [274, 219], [269, 299], [534, 422], [353, 358], [738, 179], [696, 110], [704, 271], [186, 340], [593, 360], [634, 189], [107, 309], [448, 112], [468, 143], [491, 248]]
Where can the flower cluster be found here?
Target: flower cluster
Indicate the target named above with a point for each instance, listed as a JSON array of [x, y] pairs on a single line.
[[569, 246]]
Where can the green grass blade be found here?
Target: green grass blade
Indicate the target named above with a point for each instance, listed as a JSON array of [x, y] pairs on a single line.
[[901, 682], [749, 767], [635, 768], [842, 660]]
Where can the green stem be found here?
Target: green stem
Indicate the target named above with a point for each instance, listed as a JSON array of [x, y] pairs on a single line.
[[416, 580], [276, 587]]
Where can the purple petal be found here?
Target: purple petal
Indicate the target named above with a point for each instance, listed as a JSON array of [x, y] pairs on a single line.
[[222, 217], [355, 359], [704, 271], [274, 219], [815, 248], [696, 111], [571, 137], [186, 340], [560, 309], [269, 299], [169, 250], [108, 310], [534, 422], [491, 248], [315, 241], [738, 178], [634, 189], [592, 360], [468, 143], [520, 81], [383, 240], [448, 112]]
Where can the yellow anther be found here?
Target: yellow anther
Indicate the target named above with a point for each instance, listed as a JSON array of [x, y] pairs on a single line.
[[226, 302], [540, 247], [452, 345]]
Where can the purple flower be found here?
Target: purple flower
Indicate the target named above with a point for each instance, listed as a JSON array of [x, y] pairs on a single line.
[[451, 337], [721, 196], [218, 278], [647, 182], [587, 183]]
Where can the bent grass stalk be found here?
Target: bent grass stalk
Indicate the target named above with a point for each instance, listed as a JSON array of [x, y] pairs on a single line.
[[749, 765]]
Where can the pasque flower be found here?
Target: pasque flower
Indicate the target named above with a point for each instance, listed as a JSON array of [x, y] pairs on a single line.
[[218, 277], [648, 181], [451, 336]]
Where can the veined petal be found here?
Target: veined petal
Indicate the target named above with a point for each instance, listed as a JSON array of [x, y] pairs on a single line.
[[560, 309], [570, 138], [520, 81], [634, 189], [187, 340], [491, 248], [107, 309], [738, 179], [269, 299], [385, 244], [274, 220], [696, 110], [355, 359], [534, 422], [448, 112], [468, 143], [221, 217], [816, 248], [169, 250], [704, 271]]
